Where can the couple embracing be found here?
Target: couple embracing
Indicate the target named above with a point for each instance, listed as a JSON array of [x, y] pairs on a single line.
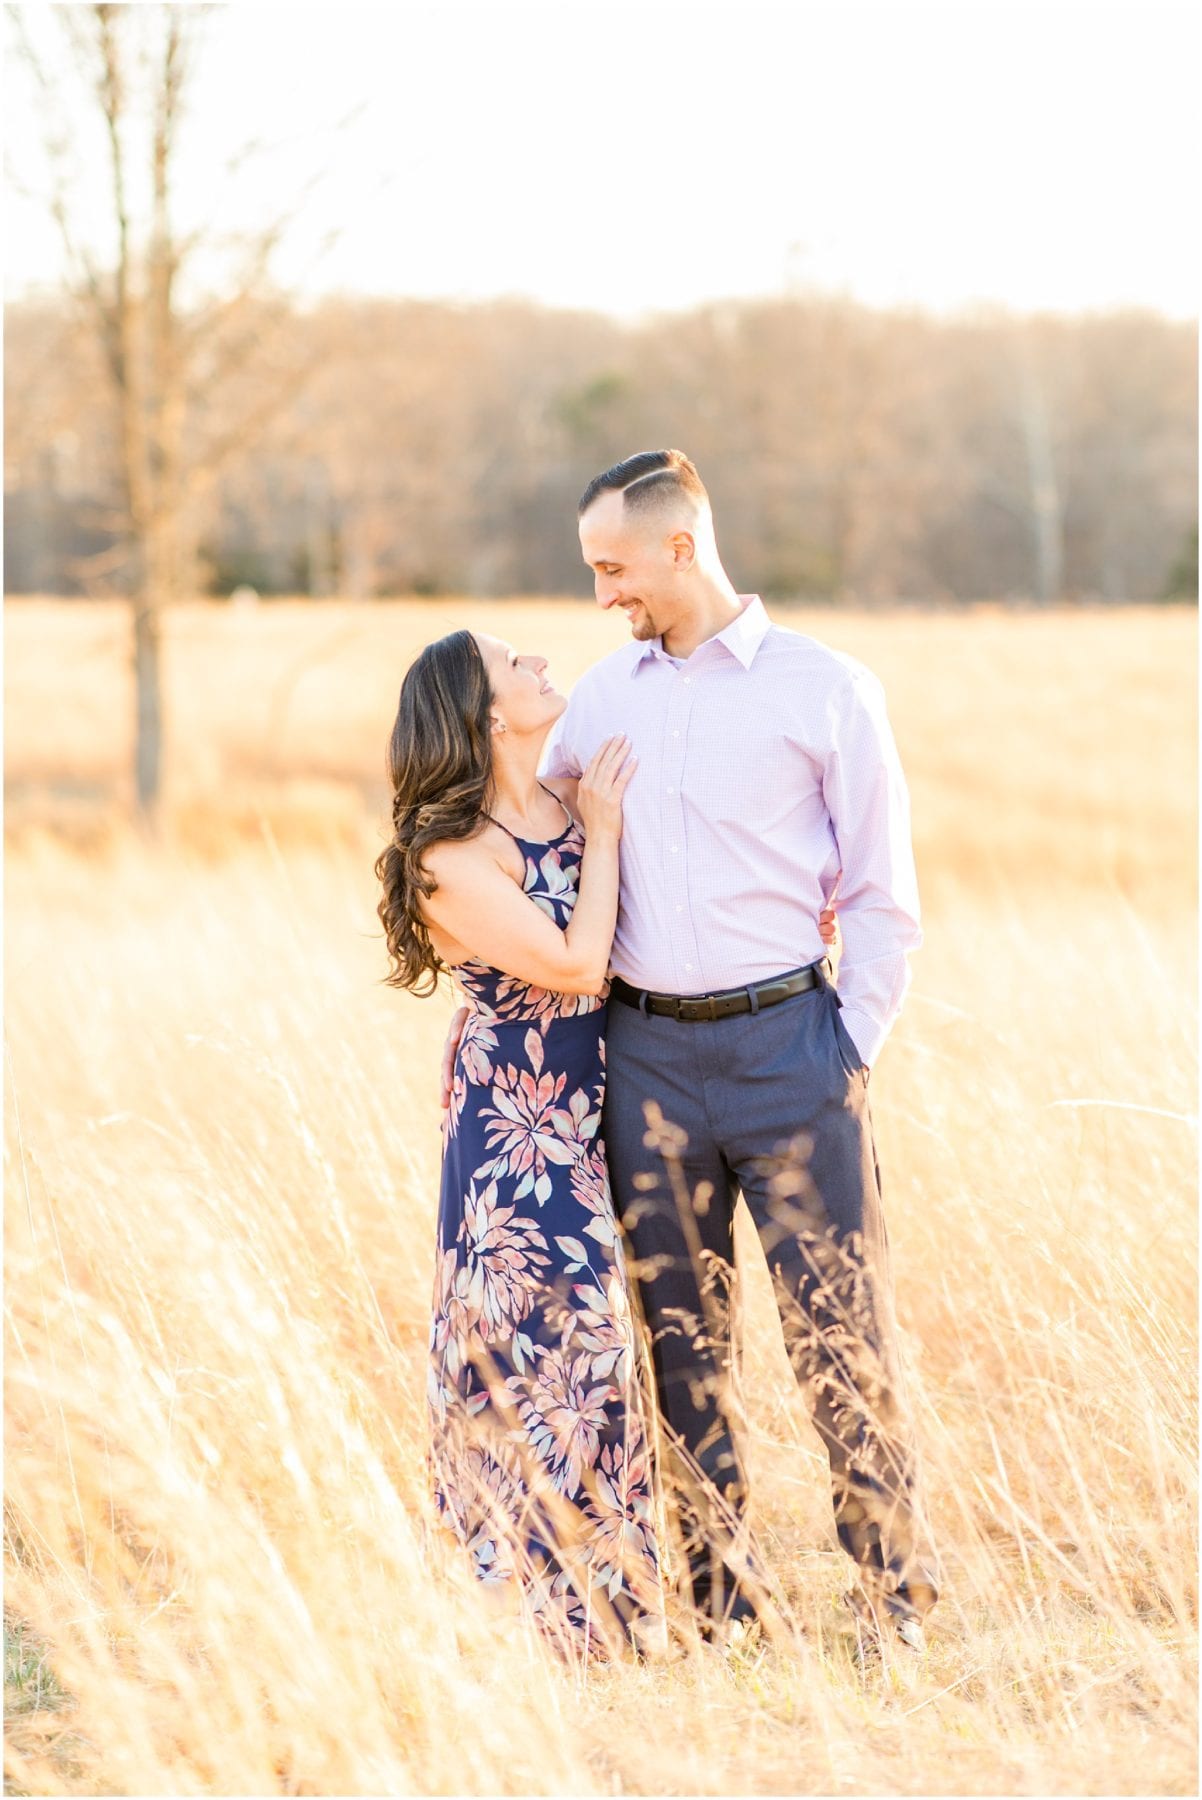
[[632, 888]]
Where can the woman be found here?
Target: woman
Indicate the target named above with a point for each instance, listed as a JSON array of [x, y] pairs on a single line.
[[538, 1441]]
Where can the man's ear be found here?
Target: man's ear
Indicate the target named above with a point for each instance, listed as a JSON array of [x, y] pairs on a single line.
[[683, 548]]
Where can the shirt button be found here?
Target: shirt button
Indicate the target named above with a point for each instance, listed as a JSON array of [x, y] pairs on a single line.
[[687, 680], [688, 968], [680, 909], [676, 734], [675, 848], [671, 790]]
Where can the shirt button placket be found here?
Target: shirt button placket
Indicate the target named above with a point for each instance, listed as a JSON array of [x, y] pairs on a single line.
[[685, 959]]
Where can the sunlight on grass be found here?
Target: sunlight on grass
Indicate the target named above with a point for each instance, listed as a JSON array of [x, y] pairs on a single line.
[[223, 1573]]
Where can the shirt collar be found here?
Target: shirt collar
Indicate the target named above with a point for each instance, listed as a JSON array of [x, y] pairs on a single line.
[[742, 637]]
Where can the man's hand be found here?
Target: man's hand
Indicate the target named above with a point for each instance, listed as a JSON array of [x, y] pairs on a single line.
[[449, 1049], [828, 928]]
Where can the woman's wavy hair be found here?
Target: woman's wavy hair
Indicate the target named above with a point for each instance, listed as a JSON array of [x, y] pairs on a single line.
[[440, 764]]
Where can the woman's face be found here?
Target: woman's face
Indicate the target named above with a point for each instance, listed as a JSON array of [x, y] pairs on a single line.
[[523, 698]]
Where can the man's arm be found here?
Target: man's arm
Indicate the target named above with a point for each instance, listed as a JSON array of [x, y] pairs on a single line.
[[869, 806], [559, 756]]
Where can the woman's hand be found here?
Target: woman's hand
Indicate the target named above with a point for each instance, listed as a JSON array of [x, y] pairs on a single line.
[[828, 927], [599, 796]]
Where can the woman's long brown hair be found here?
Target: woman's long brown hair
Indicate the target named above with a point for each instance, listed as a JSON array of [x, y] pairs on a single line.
[[440, 763]]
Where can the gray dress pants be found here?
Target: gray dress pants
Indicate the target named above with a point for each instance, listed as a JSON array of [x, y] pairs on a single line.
[[774, 1104]]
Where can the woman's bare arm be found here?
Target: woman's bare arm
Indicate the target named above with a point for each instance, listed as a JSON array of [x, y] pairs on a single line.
[[479, 905], [483, 908]]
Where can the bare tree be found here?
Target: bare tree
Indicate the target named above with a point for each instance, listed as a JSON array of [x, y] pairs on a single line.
[[163, 358], [1046, 508]]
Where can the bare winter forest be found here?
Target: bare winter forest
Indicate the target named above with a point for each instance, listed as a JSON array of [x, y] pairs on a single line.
[[377, 447]]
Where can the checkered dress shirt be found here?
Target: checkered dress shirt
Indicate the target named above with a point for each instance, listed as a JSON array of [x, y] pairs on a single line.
[[767, 774]]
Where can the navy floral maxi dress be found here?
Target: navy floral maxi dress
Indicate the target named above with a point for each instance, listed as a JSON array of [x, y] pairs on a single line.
[[538, 1442]]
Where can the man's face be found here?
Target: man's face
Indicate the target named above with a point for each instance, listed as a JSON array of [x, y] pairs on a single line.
[[633, 562]]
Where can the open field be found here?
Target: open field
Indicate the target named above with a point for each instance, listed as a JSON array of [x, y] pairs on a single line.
[[221, 1158]]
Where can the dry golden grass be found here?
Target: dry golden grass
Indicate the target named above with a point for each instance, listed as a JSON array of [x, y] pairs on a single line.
[[222, 1159]]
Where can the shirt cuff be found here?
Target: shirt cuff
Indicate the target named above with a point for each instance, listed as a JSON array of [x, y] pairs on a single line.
[[865, 1033]]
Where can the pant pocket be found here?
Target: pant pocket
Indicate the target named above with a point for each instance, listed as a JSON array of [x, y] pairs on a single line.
[[845, 1047]]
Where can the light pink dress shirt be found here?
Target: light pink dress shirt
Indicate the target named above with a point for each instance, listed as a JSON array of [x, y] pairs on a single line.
[[767, 772]]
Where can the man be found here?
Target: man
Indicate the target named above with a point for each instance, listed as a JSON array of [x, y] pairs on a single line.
[[767, 776]]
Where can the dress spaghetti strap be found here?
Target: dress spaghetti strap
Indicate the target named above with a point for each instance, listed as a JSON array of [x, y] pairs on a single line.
[[562, 805], [517, 840]]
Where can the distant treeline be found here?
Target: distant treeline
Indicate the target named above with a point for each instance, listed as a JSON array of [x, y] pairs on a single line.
[[851, 454]]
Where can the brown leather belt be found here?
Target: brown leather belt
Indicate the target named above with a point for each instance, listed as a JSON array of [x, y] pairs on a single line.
[[721, 1006]]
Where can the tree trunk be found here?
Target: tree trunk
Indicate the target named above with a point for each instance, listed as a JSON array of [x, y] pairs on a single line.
[[1047, 512], [148, 747]]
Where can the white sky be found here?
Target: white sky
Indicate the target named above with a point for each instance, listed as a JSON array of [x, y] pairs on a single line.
[[641, 157]]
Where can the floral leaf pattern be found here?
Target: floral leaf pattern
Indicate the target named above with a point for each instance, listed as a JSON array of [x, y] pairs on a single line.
[[538, 1450]]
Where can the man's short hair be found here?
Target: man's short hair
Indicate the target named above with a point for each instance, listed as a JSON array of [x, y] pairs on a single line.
[[646, 480]]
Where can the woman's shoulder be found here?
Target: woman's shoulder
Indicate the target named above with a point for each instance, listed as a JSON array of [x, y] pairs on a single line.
[[459, 859]]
